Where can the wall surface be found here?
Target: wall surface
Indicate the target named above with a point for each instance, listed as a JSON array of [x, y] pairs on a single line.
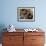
[[8, 13]]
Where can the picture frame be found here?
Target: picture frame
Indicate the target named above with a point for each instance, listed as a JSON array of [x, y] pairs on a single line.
[[26, 14]]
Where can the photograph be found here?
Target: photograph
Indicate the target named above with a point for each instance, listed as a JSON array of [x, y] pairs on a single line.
[[26, 14]]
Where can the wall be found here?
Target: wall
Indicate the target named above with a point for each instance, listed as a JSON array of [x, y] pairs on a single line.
[[9, 13]]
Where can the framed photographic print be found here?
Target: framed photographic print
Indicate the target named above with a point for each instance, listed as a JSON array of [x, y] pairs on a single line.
[[26, 14]]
